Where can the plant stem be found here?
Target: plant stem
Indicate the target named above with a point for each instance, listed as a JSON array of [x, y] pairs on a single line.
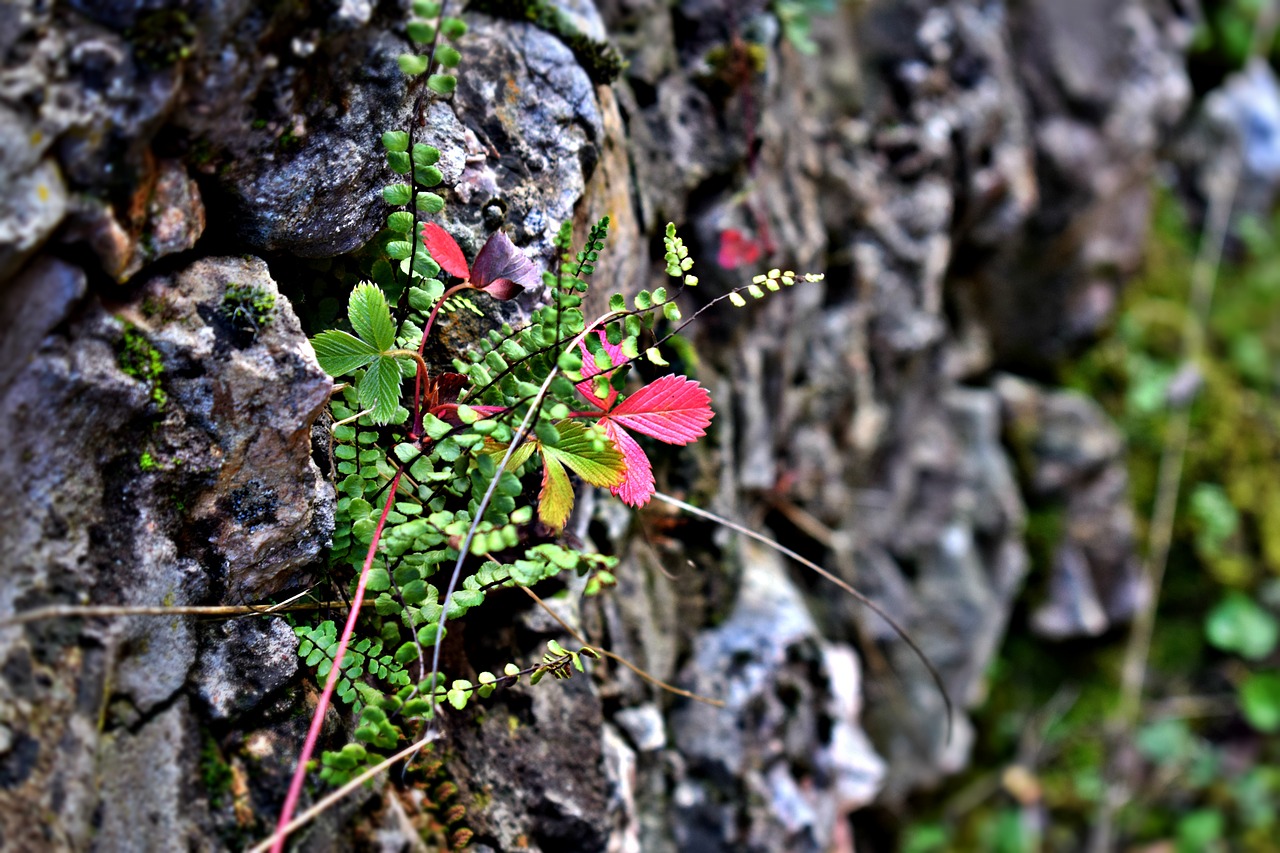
[[422, 347], [335, 673]]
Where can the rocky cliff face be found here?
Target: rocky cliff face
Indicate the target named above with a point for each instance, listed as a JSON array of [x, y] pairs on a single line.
[[972, 177]]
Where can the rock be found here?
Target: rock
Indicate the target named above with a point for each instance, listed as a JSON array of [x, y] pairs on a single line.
[[1073, 457], [243, 661], [128, 414], [252, 404], [33, 207], [166, 216], [760, 745], [151, 800]]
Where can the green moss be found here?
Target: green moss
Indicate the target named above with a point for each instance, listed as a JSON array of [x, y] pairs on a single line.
[[214, 771], [147, 462], [248, 306], [138, 358]]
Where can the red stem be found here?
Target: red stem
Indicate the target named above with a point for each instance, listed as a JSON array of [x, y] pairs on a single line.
[[426, 331], [335, 673]]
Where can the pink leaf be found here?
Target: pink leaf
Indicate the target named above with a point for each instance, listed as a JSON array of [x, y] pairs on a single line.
[[637, 483], [589, 370], [671, 409], [501, 268], [445, 250]]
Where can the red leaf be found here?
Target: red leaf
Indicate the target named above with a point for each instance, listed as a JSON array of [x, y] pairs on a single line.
[[637, 484], [500, 261], [445, 251], [589, 370], [671, 409]]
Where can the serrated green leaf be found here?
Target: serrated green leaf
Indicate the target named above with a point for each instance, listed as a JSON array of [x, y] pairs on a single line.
[[428, 176], [370, 316], [429, 202], [420, 32], [398, 161], [398, 250], [453, 28], [448, 56], [425, 155], [400, 222], [340, 353], [396, 194], [379, 389]]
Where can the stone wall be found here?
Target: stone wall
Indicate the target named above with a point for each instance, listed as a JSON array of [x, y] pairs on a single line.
[[973, 176]]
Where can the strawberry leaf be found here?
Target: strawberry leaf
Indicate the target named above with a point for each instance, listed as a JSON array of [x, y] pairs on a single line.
[[588, 453], [672, 409], [340, 353], [371, 317], [637, 484], [445, 250], [590, 369], [502, 270], [379, 389], [555, 501]]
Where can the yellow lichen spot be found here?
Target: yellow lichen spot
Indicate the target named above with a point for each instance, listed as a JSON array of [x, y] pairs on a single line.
[[43, 192]]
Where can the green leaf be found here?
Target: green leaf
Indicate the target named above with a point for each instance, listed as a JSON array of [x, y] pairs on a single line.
[[379, 389], [399, 249], [396, 194], [617, 302], [425, 155], [430, 202], [448, 55], [370, 316], [340, 353], [412, 64], [442, 84], [453, 28], [420, 32], [1260, 701], [400, 222], [395, 140], [428, 176], [426, 8], [587, 454], [1238, 624]]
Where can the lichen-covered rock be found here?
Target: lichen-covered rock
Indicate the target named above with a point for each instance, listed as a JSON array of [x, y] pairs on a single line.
[[254, 398], [165, 432]]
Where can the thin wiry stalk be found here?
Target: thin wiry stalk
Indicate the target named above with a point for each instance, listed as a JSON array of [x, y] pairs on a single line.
[[652, 679]]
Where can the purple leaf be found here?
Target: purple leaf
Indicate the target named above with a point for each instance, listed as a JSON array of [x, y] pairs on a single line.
[[502, 270]]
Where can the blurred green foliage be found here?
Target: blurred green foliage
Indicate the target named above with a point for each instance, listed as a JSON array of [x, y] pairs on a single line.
[[1210, 760]]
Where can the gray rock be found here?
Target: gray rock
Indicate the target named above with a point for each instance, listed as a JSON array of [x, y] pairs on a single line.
[[130, 416], [243, 661], [760, 746], [1073, 458], [269, 511], [29, 211]]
